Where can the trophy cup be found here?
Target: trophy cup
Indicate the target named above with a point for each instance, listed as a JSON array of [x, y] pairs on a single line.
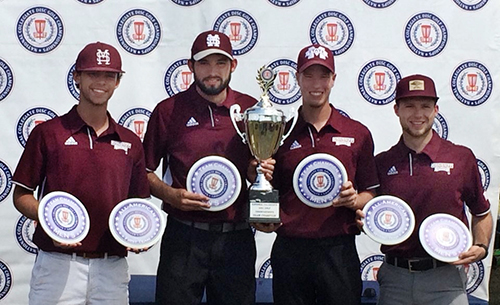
[[264, 128]]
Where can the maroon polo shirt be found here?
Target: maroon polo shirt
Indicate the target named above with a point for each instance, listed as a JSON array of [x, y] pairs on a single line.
[[347, 140], [185, 128], [441, 179], [64, 154]]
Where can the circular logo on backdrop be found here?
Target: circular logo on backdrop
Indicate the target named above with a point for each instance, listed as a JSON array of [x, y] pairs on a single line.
[[475, 275], [5, 280], [426, 35], [370, 267], [70, 83], [334, 30], [40, 29], [241, 29], [178, 77], [285, 90], [379, 3], [30, 119], [471, 5], [471, 83], [138, 32], [342, 112], [136, 119], [25, 228], [5, 181], [440, 126], [377, 82], [6, 80], [186, 2], [484, 171], [265, 270], [90, 1], [284, 3]]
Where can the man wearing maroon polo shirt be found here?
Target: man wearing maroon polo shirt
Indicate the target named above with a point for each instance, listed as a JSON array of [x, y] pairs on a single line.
[[314, 256], [433, 176], [201, 249], [87, 154]]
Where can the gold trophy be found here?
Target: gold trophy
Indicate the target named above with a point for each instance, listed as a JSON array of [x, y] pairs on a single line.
[[264, 128]]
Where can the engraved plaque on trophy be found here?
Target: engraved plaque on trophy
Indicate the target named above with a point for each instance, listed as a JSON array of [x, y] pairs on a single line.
[[264, 128]]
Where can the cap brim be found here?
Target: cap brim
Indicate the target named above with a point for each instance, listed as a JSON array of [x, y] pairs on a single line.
[[207, 52], [101, 70], [311, 63]]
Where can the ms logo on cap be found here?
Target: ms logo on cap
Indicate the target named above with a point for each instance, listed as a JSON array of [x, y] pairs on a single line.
[[213, 40], [416, 85], [316, 51], [103, 57]]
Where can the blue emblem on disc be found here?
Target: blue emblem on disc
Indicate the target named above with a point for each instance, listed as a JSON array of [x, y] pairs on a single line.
[[178, 77], [138, 32], [5, 180], [334, 30], [241, 29], [5, 280], [426, 35], [377, 82], [30, 119], [470, 5], [475, 275], [444, 237], [218, 179], [440, 126], [388, 220], [40, 29], [137, 223], [63, 217], [6, 80], [472, 83], [25, 228], [317, 180], [70, 83], [285, 90]]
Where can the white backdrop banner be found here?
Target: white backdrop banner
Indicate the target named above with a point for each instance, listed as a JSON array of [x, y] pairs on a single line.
[[375, 43]]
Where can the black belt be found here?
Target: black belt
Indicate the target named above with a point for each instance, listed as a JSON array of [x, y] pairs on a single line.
[[417, 264], [92, 254], [221, 227]]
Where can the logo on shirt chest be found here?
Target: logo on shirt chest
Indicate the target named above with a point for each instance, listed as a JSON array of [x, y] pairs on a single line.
[[442, 167], [342, 141], [125, 146]]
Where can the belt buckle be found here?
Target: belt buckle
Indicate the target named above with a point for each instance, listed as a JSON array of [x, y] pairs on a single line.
[[410, 267]]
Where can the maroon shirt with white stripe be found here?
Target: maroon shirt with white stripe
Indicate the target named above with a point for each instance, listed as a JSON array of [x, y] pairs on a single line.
[[443, 178], [347, 140], [65, 154], [185, 128]]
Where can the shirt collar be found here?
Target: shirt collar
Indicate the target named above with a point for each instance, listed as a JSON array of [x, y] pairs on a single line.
[[431, 149], [335, 120], [75, 123]]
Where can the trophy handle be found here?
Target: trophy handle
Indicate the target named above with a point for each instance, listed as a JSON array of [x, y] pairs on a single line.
[[236, 116], [295, 119]]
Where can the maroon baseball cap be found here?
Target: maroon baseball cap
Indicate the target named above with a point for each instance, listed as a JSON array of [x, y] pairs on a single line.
[[315, 54], [211, 42], [99, 56], [416, 86]]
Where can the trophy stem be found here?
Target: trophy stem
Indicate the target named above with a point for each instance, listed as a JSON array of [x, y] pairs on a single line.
[[261, 184]]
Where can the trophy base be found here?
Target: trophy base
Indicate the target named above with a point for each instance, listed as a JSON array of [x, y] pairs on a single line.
[[263, 207]]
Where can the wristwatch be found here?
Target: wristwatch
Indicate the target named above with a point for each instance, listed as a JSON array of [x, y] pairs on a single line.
[[485, 247]]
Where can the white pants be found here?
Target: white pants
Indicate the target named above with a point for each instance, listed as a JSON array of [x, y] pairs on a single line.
[[70, 280]]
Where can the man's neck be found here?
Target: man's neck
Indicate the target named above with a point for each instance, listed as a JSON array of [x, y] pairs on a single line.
[[417, 143], [94, 116], [317, 116]]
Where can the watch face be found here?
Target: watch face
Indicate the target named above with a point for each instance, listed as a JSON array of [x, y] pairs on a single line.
[[63, 217], [218, 179], [137, 223], [388, 220], [444, 237], [318, 179]]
